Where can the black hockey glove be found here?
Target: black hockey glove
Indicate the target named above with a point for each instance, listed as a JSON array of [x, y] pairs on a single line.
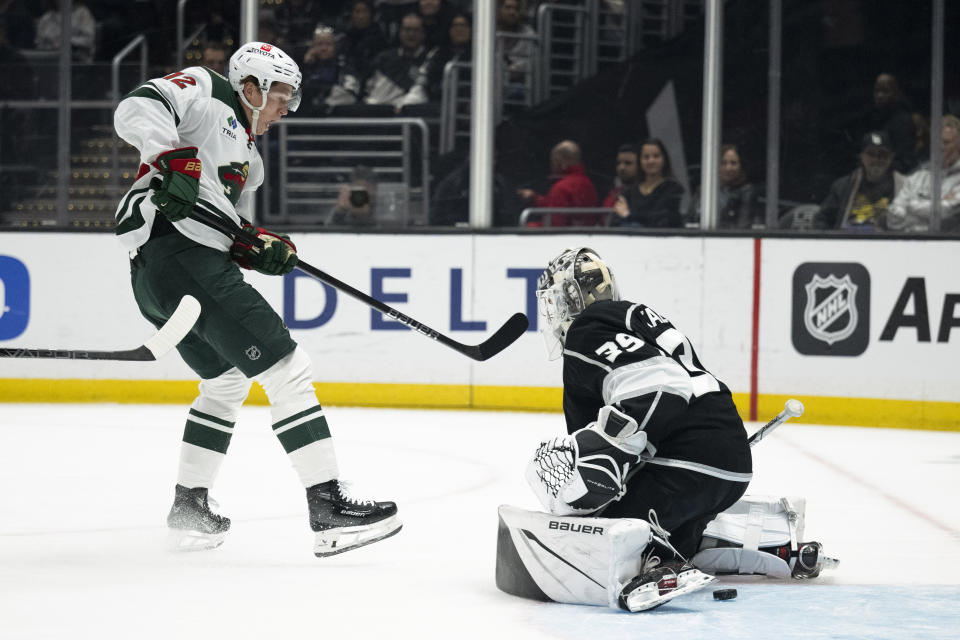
[[180, 188], [264, 251]]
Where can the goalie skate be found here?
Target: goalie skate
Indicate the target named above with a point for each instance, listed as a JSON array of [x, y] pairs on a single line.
[[343, 523], [193, 525], [811, 561], [662, 584]]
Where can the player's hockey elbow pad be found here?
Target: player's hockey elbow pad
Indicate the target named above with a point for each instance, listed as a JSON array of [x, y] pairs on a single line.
[[264, 251]]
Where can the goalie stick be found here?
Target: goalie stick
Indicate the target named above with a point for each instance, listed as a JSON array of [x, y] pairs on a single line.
[[169, 335], [791, 409], [506, 335]]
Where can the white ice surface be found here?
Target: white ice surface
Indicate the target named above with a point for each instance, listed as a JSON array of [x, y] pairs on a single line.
[[84, 491]]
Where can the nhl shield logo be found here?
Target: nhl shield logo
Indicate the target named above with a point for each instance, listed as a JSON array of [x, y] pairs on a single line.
[[831, 311]]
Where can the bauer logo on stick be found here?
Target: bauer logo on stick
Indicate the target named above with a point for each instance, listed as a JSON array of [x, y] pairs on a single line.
[[831, 309]]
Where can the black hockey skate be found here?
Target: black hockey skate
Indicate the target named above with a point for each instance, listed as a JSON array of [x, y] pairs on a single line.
[[343, 523], [193, 526], [662, 583]]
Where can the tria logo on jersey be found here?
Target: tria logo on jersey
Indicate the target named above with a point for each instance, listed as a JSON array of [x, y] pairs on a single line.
[[831, 309]]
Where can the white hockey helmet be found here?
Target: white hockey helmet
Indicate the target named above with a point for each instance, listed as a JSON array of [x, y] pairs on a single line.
[[268, 64], [572, 281]]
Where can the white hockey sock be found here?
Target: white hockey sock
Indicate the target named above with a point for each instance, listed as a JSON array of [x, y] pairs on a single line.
[[297, 418], [209, 428]]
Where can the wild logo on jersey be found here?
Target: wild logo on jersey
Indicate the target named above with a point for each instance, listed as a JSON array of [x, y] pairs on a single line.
[[233, 177]]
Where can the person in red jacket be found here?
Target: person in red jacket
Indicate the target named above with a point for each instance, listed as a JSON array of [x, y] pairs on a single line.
[[573, 190]]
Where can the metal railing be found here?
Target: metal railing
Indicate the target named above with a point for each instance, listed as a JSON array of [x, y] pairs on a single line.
[[565, 58], [181, 42], [316, 156], [139, 41], [546, 213], [454, 119]]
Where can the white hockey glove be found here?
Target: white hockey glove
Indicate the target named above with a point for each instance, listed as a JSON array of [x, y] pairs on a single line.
[[580, 473]]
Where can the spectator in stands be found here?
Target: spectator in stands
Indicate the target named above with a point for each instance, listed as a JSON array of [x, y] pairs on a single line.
[[362, 39], [911, 208], [655, 200], [628, 172], [357, 201], [83, 30], [457, 48], [327, 81], [573, 189], [890, 113], [399, 75], [736, 196], [514, 38], [436, 15], [214, 56], [859, 200]]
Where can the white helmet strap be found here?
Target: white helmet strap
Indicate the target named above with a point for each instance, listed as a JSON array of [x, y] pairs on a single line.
[[255, 110]]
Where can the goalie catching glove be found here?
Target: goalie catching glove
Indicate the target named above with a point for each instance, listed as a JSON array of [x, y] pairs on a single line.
[[180, 188], [264, 251], [580, 473]]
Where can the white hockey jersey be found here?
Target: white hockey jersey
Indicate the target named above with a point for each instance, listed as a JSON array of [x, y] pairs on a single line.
[[198, 108]]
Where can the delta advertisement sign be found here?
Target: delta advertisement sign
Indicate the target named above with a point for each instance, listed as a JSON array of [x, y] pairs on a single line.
[[836, 317]]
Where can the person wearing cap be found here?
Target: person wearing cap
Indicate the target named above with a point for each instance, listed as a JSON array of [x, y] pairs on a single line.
[[195, 131], [911, 209], [859, 201]]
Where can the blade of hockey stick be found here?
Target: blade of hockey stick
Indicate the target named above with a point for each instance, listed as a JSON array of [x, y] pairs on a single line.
[[792, 409], [512, 329], [169, 335]]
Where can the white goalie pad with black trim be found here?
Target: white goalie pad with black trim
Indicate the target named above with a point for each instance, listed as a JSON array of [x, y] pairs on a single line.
[[732, 541], [568, 559]]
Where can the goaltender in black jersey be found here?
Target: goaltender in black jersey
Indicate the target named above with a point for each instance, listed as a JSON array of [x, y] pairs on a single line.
[[645, 494], [650, 427]]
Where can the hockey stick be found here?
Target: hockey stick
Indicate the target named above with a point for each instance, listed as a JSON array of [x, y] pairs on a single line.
[[169, 335], [506, 335], [792, 409]]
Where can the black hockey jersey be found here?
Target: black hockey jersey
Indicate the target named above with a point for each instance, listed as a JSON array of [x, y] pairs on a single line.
[[627, 355]]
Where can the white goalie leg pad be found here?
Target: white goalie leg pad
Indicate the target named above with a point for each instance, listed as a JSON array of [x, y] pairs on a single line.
[[219, 402], [293, 404], [751, 523], [576, 560]]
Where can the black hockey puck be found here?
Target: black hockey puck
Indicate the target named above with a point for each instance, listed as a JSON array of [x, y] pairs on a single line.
[[724, 594]]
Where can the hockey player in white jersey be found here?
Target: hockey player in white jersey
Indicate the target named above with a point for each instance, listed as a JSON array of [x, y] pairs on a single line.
[[196, 131]]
